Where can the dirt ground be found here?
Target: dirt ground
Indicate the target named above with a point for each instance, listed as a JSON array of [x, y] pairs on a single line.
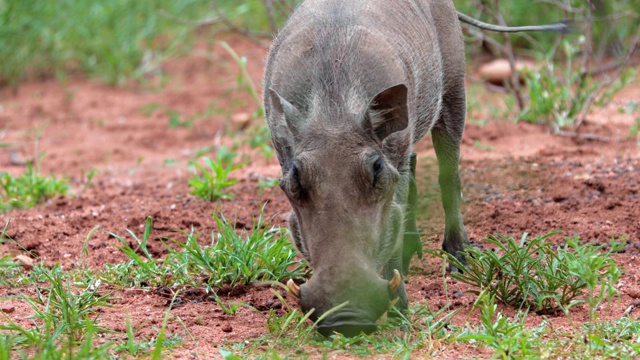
[[516, 177]]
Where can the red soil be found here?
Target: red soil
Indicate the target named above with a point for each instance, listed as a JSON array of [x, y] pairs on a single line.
[[529, 181]]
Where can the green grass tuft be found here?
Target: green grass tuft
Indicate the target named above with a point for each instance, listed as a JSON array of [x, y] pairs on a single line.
[[531, 274], [210, 179], [264, 254], [29, 189], [65, 318], [559, 93]]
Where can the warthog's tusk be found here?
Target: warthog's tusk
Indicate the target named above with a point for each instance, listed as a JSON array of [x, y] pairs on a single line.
[[293, 288], [394, 284]]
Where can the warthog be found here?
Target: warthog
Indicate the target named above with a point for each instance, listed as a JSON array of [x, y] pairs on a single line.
[[350, 87]]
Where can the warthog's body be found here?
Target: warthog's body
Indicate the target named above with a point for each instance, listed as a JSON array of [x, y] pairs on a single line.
[[346, 154], [350, 87]]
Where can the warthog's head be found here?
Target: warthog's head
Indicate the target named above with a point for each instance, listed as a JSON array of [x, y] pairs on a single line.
[[341, 178]]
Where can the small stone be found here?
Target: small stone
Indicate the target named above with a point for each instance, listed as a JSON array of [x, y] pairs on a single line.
[[25, 261], [241, 117], [15, 158], [633, 293], [97, 245], [241, 120], [227, 328], [190, 223], [31, 244], [499, 70], [7, 309]]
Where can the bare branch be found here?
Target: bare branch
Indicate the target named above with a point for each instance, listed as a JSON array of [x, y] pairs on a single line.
[[587, 50], [479, 35], [488, 86], [628, 311], [196, 24], [566, 5], [607, 82], [253, 36], [508, 51], [285, 7], [592, 137], [268, 5], [605, 68]]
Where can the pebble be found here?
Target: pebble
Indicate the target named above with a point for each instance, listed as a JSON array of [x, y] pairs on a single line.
[[25, 261]]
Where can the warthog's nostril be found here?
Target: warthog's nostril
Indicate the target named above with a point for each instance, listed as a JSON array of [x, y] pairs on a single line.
[[394, 284], [293, 288]]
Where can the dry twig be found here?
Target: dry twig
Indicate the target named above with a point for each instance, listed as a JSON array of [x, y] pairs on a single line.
[[268, 5], [508, 51], [608, 81], [587, 136], [631, 308]]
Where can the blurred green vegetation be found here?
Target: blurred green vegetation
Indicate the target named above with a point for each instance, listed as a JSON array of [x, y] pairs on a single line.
[[113, 40], [107, 39], [116, 40], [254, 16], [613, 21], [29, 189], [572, 74]]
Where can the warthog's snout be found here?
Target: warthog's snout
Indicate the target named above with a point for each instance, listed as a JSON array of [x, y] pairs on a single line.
[[367, 298], [349, 323]]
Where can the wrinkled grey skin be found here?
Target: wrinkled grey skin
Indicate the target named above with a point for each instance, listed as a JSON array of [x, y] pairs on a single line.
[[350, 87]]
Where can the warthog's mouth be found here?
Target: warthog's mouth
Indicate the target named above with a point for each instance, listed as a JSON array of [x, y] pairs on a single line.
[[348, 323], [352, 321]]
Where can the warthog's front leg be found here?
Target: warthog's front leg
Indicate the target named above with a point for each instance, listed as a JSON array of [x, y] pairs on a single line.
[[447, 135], [411, 243]]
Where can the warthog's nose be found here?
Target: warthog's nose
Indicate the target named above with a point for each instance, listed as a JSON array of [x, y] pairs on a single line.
[[348, 324], [348, 305]]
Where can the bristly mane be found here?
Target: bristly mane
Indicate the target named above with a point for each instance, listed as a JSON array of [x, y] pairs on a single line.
[[336, 47]]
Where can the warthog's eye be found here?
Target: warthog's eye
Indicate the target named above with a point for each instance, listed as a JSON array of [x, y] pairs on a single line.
[[378, 166], [295, 178], [380, 176], [292, 185]]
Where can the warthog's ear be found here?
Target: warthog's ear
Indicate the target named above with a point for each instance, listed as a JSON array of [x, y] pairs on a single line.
[[388, 112], [284, 122], [283, 109]]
